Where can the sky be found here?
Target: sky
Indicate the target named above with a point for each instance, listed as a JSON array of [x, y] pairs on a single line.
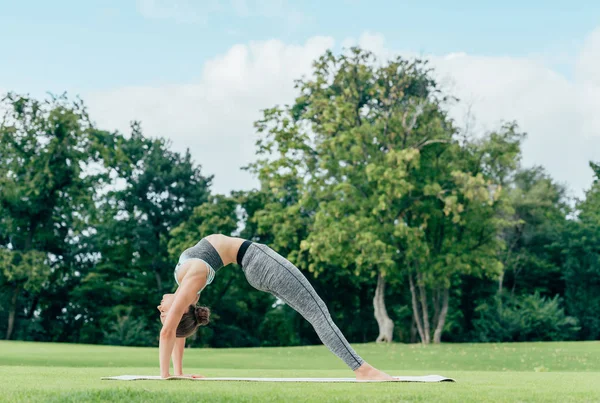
[[199, 72]]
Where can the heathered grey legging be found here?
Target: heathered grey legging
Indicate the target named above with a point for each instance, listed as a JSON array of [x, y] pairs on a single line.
[[268, 271]]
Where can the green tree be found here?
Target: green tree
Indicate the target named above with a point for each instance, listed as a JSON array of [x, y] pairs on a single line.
[[536, 214], [539, 211], [367, 158], [45, 193], [581, 250], [153, 190], [26, 271]]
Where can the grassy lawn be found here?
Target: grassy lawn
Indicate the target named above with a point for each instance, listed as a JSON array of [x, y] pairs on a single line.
[[523, 372]]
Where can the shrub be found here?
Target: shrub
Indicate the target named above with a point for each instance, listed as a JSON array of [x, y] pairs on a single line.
[[524, 318]]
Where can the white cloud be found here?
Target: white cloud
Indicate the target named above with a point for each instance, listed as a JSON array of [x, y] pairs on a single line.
[[214, 115], [545, 105], [588, 74]]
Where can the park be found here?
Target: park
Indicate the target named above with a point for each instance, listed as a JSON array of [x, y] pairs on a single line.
[[315, 221]]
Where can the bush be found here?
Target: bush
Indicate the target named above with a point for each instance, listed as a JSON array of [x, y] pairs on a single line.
[[127, 330], [524, 318]]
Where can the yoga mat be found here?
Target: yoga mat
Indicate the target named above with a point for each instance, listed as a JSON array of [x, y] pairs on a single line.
[[426, 378]]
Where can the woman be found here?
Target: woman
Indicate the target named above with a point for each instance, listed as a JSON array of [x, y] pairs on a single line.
[[265, 270]]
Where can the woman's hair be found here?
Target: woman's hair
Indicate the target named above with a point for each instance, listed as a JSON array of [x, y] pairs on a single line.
[[194, 317]]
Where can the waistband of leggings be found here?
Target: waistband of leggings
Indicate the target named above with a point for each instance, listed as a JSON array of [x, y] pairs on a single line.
[[242, 251]]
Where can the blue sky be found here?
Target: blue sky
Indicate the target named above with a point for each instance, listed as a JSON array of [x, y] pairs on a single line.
[[198, 72], [87, 45]]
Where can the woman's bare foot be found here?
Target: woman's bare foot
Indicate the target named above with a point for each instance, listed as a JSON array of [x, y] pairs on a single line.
[[368, 373]]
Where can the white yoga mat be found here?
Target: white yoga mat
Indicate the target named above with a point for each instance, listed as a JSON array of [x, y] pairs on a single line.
[[426, 378]]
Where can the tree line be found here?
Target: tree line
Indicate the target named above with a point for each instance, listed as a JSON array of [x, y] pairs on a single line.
[[410, 228]]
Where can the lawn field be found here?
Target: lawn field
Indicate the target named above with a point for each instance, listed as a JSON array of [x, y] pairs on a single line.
[[521, 372]]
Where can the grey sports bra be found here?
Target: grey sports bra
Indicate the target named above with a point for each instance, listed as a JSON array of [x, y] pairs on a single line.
[[204, 252]]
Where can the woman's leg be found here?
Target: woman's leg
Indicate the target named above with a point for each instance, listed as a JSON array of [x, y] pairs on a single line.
[[285, 281]]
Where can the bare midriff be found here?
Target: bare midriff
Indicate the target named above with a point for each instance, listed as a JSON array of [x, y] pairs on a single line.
[[227, 248]]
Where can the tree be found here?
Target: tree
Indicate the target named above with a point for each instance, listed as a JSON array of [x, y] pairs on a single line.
[[580, 246], [540, 210], [533, 220], [453, 226], [26, 271], [161, 189], [45, 192], [366, 157], [154, 190]]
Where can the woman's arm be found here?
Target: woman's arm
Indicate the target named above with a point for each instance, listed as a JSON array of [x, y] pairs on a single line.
[[185, 296], [177, 356], [179, 349], [165, 347]]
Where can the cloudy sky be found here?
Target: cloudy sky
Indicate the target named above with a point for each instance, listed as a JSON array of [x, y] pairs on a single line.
[[198, 72]]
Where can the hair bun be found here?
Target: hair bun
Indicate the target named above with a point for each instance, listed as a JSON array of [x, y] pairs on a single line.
[[202, 315]]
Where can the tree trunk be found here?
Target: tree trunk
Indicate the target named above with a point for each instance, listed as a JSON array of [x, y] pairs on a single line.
[[436, 305], [12, 312], [516, 272], [500, 281], [424, 309], [386, 326], [413, 331], [415, 307], [437, 335]]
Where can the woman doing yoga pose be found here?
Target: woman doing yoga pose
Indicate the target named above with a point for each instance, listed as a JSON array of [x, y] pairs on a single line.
[[265, 270]]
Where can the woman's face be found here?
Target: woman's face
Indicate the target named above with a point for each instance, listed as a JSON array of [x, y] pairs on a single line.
[[165, 305]]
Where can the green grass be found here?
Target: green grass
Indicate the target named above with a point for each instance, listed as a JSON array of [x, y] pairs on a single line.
[[521, 372]]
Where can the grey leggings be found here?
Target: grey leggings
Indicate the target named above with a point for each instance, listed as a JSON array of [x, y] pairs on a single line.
[[268, 271]]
